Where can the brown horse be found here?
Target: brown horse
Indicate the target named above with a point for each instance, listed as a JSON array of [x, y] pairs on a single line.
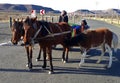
[[77, 29], [17, 31], [46, 34], [93, 38]]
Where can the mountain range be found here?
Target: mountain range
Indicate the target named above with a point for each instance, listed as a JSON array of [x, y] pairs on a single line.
[[25, 8], [107, 12], [28, 8]]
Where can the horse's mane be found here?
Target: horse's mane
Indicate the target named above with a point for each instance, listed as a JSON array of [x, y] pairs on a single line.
[[43, 23]]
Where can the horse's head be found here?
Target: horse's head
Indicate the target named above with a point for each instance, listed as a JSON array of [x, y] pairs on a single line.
[[34, 30], [29, 29], [17, 31]]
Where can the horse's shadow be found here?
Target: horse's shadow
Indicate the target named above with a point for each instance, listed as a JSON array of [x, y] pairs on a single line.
[[94, 70], [21, 70], [84, 69], [89, 70]]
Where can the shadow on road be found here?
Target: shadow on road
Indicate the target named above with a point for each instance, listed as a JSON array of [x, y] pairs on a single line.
[[22, 70], [89, 70], [94, 70]]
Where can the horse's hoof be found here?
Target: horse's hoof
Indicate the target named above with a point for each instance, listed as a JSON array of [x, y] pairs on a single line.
[[50, 72], [64, 61], [43, 67], [37, 60], [30, 67], [22, 44], [27, 65], [47, 58]]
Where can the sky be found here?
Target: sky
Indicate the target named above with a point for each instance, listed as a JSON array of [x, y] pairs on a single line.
[[70, 5]]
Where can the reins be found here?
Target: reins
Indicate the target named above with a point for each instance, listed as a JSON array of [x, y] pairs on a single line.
[[32, 39], [49, 35], [55, 34]]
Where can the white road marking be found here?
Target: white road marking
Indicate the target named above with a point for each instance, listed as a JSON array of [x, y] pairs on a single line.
[[8, 43]]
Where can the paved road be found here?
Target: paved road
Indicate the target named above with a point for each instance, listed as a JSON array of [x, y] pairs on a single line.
[[13, 60]]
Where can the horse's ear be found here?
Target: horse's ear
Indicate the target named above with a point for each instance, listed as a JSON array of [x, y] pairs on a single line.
[[36, 18]]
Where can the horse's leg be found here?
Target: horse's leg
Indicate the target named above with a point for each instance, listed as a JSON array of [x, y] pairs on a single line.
[[83, 57], [50, 59], [27, 51], [44, 58], [39, 56], [30, 53], [67, 51], [29, 56], [63, 55], [110, 55], [102, 53]]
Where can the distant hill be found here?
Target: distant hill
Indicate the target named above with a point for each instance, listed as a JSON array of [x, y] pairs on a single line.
[[114, 11], [25, 8], [108, 11], [84, 11]]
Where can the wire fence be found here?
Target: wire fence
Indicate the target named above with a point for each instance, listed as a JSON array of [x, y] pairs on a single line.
[[112, 19], [73, 19]]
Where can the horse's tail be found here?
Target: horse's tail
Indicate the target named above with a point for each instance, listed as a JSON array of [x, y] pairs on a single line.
[[115, 42]]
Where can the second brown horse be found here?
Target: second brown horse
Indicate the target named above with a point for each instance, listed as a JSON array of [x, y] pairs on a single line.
[[46, 34]]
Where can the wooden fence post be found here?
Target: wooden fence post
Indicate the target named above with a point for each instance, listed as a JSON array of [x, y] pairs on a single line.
[[46, 19], [10, 22], [52, 19]]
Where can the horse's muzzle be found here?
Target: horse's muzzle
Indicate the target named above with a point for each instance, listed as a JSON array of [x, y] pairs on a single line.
[[14, 42]]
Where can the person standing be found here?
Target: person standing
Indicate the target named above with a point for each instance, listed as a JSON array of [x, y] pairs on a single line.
[[63, 17]]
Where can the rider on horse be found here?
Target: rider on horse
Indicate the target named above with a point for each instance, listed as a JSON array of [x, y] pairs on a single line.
[[80, 28]]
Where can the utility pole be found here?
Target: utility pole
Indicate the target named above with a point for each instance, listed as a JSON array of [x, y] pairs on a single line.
[[118, 13], [96, 3]]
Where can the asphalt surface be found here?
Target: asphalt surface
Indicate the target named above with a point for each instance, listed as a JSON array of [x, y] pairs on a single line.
[[13, 63]]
